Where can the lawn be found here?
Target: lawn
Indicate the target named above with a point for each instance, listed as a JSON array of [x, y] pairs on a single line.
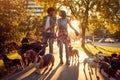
[[107, 51], [12, 55]]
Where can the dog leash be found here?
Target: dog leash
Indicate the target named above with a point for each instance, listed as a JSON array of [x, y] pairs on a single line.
[[37, 57], [42, 49]]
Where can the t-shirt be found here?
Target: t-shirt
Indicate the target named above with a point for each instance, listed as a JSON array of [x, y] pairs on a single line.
[[62, 23]]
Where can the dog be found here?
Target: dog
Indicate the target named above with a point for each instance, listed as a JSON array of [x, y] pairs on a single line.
[[93, 62], [9, 63], [110, 65], [73, 53], [34, 46], [45, 61], [31, 56]]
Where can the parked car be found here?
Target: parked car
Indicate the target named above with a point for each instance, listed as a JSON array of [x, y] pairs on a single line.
[[109, 40], [88, 41], [106, 40]]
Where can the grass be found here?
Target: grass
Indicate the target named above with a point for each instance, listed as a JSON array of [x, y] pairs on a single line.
[[12, 55], [107, 51]]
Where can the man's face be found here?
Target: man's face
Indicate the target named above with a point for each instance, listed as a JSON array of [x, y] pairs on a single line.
[[52, 13]]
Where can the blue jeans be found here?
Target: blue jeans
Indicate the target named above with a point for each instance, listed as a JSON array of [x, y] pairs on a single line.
[[48, 37], [61, 50]]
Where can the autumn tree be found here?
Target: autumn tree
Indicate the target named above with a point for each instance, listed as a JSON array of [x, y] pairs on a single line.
[[93, 14], [13, 20], [45, 4], [80, 10]]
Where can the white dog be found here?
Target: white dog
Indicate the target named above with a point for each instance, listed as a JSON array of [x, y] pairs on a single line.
[[93, 62]]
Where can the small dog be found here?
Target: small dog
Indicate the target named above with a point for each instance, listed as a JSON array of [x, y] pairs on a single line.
[[93, 62], [73, 53], [31, 56], [45, 61], [9, 63]]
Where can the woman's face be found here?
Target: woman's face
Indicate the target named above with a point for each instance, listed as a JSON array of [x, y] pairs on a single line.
[[60, 13]]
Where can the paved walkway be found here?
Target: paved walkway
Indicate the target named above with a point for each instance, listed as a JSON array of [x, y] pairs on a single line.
[[63, 72]]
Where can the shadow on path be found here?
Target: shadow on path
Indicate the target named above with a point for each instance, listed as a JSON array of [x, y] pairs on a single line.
[[98, 47], [49, 76], [70, 72]]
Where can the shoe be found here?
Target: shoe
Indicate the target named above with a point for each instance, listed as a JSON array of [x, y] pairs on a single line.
[[67, 63], [61, 61]]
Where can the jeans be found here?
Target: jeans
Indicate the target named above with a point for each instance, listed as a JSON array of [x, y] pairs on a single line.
[[47, 37], [66, 49]]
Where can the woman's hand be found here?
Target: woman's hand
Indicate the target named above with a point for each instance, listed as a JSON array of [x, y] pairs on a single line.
[[76, 33]]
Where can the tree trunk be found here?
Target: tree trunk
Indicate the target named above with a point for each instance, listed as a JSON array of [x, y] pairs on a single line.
[[93, 38], [84, 26], [83, 36]]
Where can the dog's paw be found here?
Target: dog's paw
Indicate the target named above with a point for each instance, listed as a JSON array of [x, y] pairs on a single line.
[[97, 77], [38, 71]]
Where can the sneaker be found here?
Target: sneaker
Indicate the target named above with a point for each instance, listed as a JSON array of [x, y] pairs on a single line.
[[61, 62], [67, 63]]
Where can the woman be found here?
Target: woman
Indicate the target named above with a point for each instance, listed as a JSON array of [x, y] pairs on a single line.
[[63, 37]]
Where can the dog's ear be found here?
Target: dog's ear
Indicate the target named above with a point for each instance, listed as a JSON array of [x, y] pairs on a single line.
[[100, 52], [41, 61], [71, 47], [40, 56]]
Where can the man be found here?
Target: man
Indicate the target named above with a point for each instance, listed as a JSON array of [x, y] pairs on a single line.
[[48, 25]]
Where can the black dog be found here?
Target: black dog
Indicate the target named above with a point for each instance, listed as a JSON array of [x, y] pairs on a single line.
[[35, 47], [110, 67], [9, 63]]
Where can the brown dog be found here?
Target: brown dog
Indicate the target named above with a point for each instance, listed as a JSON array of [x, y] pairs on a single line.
[[45, 61], [73, 53], [31, 56]]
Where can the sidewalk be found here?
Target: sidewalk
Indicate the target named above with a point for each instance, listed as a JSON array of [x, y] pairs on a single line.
[[64, 72]]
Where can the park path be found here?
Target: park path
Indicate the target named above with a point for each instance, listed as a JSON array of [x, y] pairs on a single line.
[[64, 72]]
